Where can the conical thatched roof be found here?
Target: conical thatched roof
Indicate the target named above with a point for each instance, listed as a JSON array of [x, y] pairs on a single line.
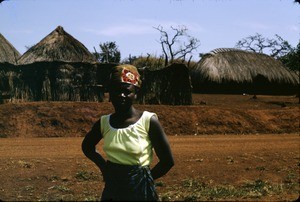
[[233, 65], [8, 53], [57, 46]]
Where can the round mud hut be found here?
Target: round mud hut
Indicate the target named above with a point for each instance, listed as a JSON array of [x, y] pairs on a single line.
[[234, 71], [59, 68]]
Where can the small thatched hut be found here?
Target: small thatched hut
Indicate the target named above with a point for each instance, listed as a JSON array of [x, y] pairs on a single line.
[[237, 71], [8, 53], [58, 68]]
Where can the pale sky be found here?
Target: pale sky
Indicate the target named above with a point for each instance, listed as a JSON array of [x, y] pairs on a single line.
[[216, 23]]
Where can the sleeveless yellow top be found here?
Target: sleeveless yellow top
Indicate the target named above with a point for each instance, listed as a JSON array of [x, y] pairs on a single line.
[[130, 145]]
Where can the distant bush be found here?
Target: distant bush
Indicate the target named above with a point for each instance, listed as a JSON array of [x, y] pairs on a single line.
[[3, 135], [151, 62], [155, 63]]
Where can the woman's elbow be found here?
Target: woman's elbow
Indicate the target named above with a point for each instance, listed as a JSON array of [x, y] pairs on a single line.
[[85, 148], [171, 163]]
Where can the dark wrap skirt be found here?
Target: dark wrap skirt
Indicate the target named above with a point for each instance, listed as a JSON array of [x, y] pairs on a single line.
[[128, 183]]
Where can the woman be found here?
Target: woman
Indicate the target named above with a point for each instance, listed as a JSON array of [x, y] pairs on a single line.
[[129, 135]]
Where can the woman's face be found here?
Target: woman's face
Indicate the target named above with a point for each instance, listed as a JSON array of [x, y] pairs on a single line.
[[122, 95]]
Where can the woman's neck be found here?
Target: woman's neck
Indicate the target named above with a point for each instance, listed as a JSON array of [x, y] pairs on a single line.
[[122, 119], [128, 113]]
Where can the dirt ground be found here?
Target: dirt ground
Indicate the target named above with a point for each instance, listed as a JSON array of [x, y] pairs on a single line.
[[226, 147]]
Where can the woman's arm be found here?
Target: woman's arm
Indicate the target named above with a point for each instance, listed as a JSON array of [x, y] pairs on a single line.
[[162, 149], [89, 146]]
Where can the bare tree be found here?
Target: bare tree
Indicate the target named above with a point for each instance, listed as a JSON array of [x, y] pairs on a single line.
[[178, 46], [259, 44]]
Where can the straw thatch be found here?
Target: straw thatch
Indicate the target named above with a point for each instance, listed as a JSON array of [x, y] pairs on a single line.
[[233, 66], [8, 53], [58, 46]]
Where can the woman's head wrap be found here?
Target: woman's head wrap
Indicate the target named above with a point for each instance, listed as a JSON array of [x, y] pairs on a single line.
[[125, 74]]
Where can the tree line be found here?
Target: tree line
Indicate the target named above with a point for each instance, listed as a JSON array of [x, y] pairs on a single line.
[[178, 46]]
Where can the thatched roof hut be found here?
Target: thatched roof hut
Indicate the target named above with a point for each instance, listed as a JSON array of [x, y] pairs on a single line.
[[234, 70], [58, 46], [8, 53], [58, 68]]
